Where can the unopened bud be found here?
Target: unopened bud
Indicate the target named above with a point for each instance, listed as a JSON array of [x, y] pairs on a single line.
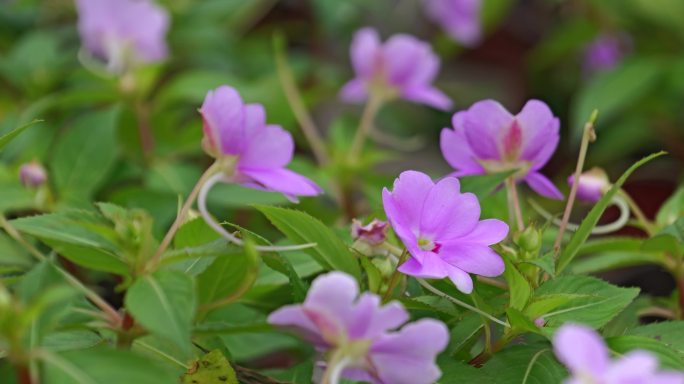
[[592, 185], [374, 233], [530, 239], [32, 174]]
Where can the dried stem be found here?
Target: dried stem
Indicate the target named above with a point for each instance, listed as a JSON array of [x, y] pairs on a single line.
[[180, 218], [588, 136]]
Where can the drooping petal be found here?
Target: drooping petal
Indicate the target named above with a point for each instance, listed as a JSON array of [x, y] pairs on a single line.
[[427, 95], [408, 356], [543, 186], [484, 124], [487, 232], [354, 91], [461, 279], [280, 180], [270, 147], [431, 267], [581, 349], [222, 114], [370, 320], [447, 213], [473, 258], [456, 149], [365, 51]]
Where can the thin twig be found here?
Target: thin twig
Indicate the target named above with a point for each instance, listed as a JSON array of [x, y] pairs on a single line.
[[588, 136], [514, 202]]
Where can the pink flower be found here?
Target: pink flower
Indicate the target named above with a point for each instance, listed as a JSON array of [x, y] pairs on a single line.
[[404, 66], [441, 229], [605, 52], [592, 184], [32, 174], [585, 354], [123, 33], [336, 319], [258, 152], [459, 18], [486, 138]]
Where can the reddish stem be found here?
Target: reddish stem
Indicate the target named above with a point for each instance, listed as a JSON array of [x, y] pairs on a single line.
[[23, 374]]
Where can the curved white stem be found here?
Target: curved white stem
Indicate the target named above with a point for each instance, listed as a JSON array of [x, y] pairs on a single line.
[[598, 230], [335, 374], [216, 226]]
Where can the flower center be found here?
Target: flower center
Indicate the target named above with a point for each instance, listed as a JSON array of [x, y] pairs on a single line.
[[512, 142], [428, 245]]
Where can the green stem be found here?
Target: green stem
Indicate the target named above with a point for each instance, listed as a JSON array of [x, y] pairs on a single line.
[[588, 136], [374, 104], [154, 261], [456, 301], [514, 204], [395, 276], [646, 224]]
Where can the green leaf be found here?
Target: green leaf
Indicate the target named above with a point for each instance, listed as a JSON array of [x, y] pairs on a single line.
[[543, 304], [582, 234], [212, 368], [521, 323], [605, 261], [464, 332], [457, 372], [227, 278], [84, 155], [103, 366], [372, 273], [518, 287], [663, 243], [301, 228], [9, 136], [669, 358], [526, 365], [672, 209], [280, 264], [597, 301], [483, 185], [83, 237], [668, 332], [614, 91], [545, 262], [164, 303]]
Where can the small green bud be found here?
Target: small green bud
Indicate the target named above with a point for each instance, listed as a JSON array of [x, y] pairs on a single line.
[[530, 240]]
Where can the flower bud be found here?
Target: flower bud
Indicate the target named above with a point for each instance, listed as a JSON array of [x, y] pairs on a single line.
[[530, 240], [32, 174], [592, 185], [539, 322], [374, 233]]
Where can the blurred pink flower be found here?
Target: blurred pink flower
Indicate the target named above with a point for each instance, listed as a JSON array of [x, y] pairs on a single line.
[[259, 151], [592, 184], [32, 174], [486, 138], [123, 33], [459, 18], [356, 328], [402, 67], [441, 229], [586, 355]]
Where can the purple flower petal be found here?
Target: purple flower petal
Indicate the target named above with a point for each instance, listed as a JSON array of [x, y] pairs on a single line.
[[483, 125], [365, 51], [431, 267], [539, 132], [429, 96], [269, 147], [473, 258], [222, 114], [487, 232], [461, 279], [354, 91], [293, 317], [408, 356], [456, 150], [409, 192], [581, 349], [400, 223], [370, 320], [280, 180], [447, 213], [543, 186], [459, 18]]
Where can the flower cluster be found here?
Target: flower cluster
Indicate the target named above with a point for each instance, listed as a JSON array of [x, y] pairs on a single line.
[[255, 153], [123, 33], [401, 67], [585, 354], [486, 138], [361, 336], [442, 230]]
